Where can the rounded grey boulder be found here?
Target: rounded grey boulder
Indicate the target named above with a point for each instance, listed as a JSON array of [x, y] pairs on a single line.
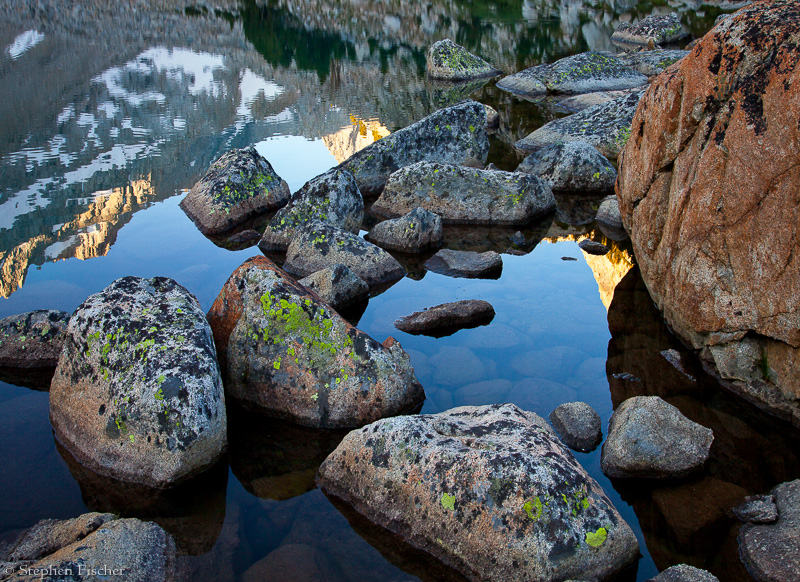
[[32, 339], [684, 573], [578, 425], [648, 437], [467, 264], [652, 30], [451, 61], [337, 285], [137, 394], [574, 166], [417, 231], [239, 185]]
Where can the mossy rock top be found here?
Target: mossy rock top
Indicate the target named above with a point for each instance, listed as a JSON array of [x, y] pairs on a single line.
[[450, 61]]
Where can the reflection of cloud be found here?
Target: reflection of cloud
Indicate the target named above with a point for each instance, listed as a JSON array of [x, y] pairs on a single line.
[[350, 139], [23, 43]]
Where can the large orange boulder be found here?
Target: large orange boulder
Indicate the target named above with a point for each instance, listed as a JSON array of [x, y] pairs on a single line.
[[709, 189]]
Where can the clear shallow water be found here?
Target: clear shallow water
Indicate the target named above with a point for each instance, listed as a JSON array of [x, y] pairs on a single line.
[[94, 158]]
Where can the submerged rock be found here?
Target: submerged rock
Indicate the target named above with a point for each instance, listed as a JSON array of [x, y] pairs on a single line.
[[684, 573], [466, 195], [416, 232], [770, 551], [757, 509], [453, 135], [239, 185], [337, 285], [466, 264], [332, 198], [465, 313], [291, 356], [33, 339], [450, 61], [488, 490], [319, 246], [133, 550], [647, 437], [708, 188], [137, 394], [583, 73], [606, 126], [652, 30], [652, 62], [578, 425], [574, 166]]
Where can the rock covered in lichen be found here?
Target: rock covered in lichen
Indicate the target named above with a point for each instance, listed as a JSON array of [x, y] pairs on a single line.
[[466, 195], [416, 232], [239, 185], [488, 490], [648, 437], [128, 549], [574, 166], [32, 339], [137, 393], [332, 198], [320, 245], [582, 73], [450, 61], [337, 285], [652, 62], [606, 126], [288, 354], [453, 135], [652, 30]]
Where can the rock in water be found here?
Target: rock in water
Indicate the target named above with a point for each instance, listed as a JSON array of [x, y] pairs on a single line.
[[770, 551], [338, 286], [453, 135], [606, 126], [574, 166], [332, 198], [648, 437], [466, 195], [291, 356], [416, 232], [578, 425], [488, 490], [467, 264], [652, 30], [593, 247], [684, 573], [32, 339], [757, 509], [583, 73], [319, 246], [608, 213], [450, 61], [464, 313], [239, 185], [137, 394], [652, 62], [709, 189], [50, 535]]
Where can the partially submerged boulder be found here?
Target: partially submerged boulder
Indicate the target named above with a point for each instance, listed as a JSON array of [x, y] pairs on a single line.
[[450, 61], [128, 549], [574, 166], [684, 573], [453, 135], [137, 394], [578, 425], [465, 313], [608, 213], [488, 490], [593, 247], [652, 62], [239, 185], [759, 509], [416, 232], [466, 195], [583, 73], [647, 437], [467, 264], [770, 551], [708, 190], [606, 126], [289, 355], [50, 535], [33, 339], [320, 245], [337, 285], [652, 30], [332, 198]]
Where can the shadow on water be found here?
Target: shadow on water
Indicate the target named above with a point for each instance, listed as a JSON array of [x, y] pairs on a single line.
[[691, 521]]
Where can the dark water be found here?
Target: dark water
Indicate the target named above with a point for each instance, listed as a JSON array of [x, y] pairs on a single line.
[[106, 121]]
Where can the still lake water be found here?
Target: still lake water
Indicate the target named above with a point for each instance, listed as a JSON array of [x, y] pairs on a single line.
[[108, 118]]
